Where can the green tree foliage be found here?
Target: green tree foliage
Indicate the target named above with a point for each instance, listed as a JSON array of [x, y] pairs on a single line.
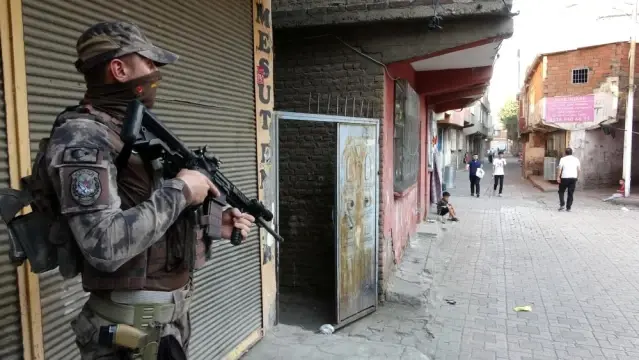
[[509, 115]]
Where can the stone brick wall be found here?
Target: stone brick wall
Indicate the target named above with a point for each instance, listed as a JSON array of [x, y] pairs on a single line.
[[307, 157], [306, 65], [602, 61], [601, 155], [610, 60], [318, 68], [295, 13]]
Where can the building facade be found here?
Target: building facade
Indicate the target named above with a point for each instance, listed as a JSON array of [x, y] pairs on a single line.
[[217, 94], [500, 141], [397, 62], [566, 97], [462, 132]]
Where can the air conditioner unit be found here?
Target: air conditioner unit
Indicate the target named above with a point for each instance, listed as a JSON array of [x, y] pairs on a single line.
[[550, 168]]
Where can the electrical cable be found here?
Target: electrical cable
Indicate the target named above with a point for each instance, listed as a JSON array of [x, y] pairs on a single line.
[[368, 57], [354, 49]]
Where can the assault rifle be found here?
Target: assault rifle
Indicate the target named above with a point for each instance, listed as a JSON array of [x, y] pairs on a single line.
[[143, 133]]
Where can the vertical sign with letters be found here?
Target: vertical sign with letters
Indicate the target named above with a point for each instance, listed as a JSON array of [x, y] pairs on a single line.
[[264, 103]]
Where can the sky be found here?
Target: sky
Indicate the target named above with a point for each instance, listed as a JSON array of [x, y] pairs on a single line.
[[552, 25]]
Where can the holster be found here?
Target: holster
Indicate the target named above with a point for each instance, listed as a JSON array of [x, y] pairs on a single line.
[[28, 234], [170, 349]]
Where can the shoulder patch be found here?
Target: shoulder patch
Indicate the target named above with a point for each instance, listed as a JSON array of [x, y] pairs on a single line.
[[85, 186], [80, 155]]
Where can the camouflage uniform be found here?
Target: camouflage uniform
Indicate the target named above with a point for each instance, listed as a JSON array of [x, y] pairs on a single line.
[[121, 221]]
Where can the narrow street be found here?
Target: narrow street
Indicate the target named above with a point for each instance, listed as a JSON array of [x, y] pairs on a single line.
[[576, 270]]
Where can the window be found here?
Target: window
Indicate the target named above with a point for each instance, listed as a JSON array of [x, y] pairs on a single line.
[[406, 138], [580, 76]]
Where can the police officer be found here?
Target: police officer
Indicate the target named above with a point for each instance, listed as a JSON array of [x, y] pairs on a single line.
[[137, 246]]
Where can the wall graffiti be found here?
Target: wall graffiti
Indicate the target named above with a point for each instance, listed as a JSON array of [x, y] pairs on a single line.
[[264, 112], [266, 186]]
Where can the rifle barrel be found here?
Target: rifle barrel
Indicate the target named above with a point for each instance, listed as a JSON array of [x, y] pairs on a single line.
[[263, 224]]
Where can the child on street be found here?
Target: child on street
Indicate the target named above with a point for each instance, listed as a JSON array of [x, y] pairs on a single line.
[[621, 192], [444, 207]]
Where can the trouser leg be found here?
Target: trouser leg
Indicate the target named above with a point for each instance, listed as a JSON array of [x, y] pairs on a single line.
[[571, 190], [562, 191]]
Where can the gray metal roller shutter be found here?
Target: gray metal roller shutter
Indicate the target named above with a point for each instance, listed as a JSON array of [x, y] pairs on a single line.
[[215, 72], [10, 330]]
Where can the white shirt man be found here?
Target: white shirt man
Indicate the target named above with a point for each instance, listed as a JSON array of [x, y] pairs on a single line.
[[568, 172], [498, 166], [498, 172]]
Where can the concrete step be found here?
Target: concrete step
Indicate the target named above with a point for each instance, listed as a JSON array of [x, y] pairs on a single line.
[[543, 185], [411, 281]]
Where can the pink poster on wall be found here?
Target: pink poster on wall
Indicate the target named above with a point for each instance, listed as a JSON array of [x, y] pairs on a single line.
[[570, 109]]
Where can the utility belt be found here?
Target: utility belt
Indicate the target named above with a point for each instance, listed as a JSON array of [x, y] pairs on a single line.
[[138, 317]]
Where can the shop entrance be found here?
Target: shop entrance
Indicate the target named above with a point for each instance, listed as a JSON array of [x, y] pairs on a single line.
[[327, 171]]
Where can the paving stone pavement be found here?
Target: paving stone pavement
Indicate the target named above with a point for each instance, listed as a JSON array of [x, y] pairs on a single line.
[[576, 270]]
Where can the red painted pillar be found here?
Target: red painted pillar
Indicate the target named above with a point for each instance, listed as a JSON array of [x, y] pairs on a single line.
[[423, 159], [387, 201], [426, 160]]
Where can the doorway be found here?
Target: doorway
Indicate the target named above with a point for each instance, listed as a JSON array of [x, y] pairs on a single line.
[[327, 171]]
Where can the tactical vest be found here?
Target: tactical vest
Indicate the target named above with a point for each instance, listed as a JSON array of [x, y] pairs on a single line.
[[166, 265]]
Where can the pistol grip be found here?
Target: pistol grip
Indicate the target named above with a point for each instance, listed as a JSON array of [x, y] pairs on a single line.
[[236, 236]]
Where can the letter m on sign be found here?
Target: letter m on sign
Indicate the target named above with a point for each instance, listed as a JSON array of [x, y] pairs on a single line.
[[263, 15]]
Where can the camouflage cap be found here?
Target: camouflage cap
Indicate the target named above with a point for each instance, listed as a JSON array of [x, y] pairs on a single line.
[[108, 40]]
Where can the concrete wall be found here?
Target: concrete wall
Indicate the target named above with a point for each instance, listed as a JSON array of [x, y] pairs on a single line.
[[534, 94], [399, 212], [390, 42], [534, 152], [308, 153], [600, 155], [292, 13]]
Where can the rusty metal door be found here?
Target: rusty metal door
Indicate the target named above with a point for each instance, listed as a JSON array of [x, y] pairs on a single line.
[[356, 220]]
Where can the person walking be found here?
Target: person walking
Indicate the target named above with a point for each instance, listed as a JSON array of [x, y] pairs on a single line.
[[474, 165], [498, 172], [569, 170]]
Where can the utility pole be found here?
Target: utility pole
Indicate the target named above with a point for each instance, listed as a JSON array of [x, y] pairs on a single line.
[[518, 88], [627, 143], [518, 68]]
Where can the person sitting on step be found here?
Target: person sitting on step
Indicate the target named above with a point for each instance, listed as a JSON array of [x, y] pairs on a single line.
[[621, 192], [444, 207]]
